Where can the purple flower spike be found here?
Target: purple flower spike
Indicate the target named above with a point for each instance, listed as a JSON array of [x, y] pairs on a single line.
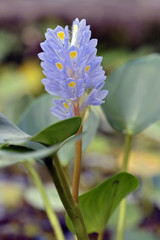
[[62, 109], [72, 69], [94, 98]]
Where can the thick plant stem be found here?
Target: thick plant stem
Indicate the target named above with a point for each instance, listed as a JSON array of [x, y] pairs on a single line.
[[77, 168], [50, 213], [62, 177], [67, 190], [62, 187], [122, 207]]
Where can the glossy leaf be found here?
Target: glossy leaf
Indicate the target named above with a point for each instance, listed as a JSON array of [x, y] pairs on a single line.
[[67, 152], [55, 133], [58, 132], [133, 100], [98, 204], [38, 116], [8, 158], [13, 155]]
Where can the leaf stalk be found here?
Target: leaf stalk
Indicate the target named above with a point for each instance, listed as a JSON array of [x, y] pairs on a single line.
[[122, 206], [49, 210], [72, 209]]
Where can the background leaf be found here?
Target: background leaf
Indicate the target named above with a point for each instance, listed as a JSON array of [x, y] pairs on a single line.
[[130, 222], [10, 133], [38, 116], [153, 132], [132, 102], [34, 198], [98, 204], [138, 234]]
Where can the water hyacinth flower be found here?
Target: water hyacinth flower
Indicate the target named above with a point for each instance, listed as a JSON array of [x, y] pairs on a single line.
[[72, 69]]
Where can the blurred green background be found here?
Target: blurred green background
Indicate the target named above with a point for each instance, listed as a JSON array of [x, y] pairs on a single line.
[[125, 30]]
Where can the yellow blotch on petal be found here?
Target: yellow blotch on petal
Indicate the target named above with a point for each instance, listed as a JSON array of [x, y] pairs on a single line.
[[71, 84], [75, 28], [73, 54], [59, 65], [61, 35], [87, 68], [66, 105]]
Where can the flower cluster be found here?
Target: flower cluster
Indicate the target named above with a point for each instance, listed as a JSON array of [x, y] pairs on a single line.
[[72, 69]]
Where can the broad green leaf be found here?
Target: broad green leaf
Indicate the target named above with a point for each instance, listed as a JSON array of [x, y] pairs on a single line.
[[133, 100], [98, 205], [38, 116], [55, 133], [12, 155], [34, 198], [58, 132], [67, 152], [8, 158]]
